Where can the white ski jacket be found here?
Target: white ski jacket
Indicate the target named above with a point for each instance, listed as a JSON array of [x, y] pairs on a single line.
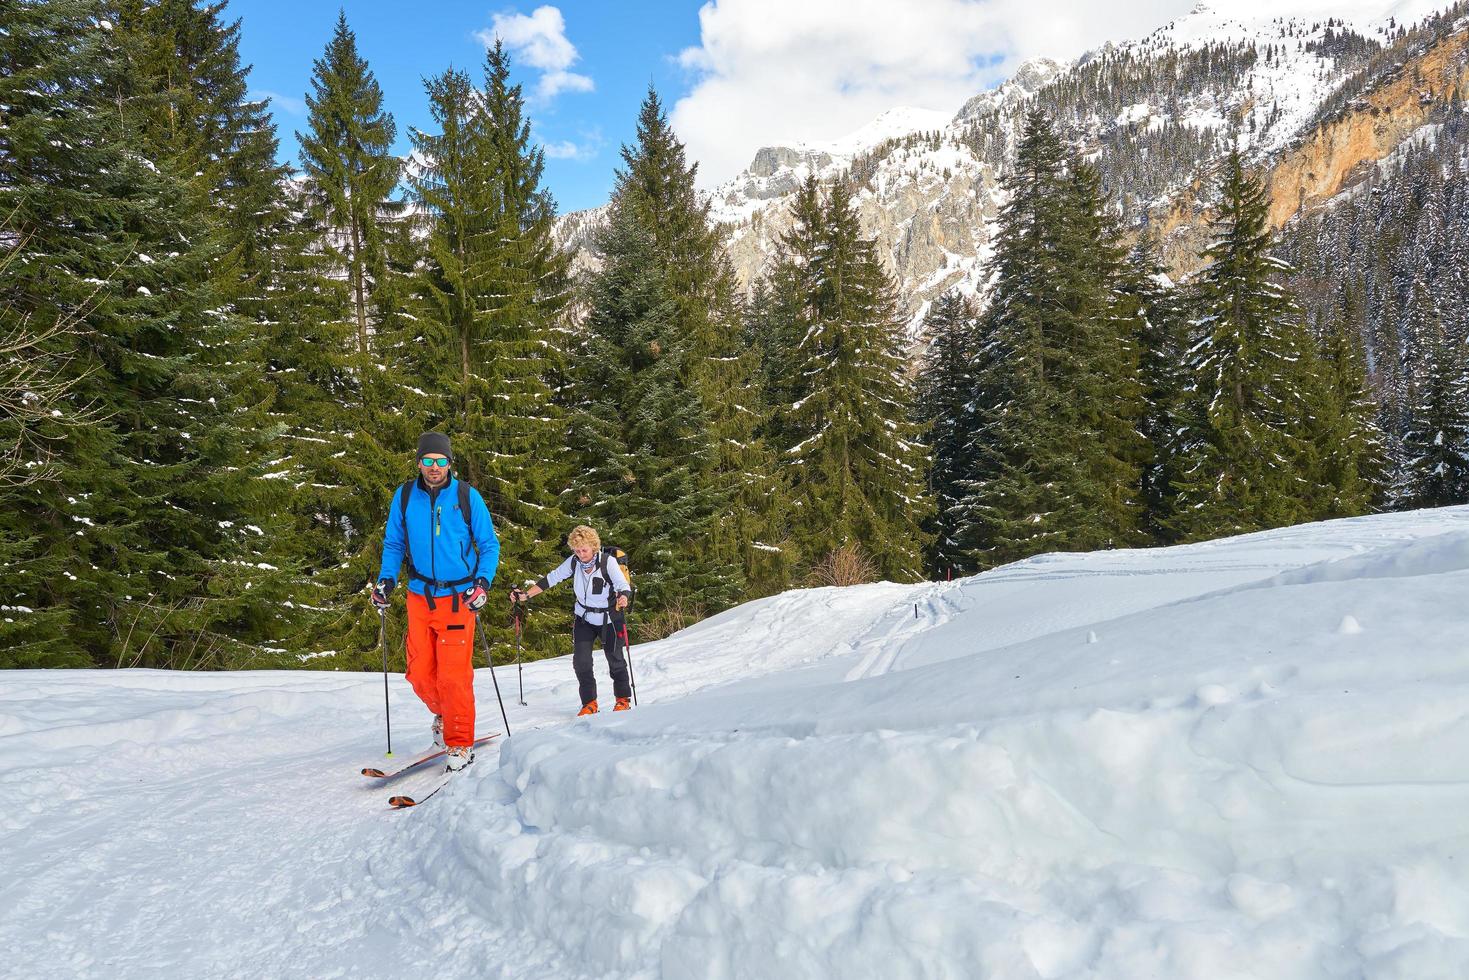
[[594, 592]]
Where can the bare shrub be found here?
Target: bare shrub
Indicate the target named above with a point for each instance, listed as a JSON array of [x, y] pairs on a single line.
[[847, 565]]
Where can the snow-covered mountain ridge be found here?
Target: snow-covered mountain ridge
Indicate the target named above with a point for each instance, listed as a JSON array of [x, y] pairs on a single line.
[[1236, 759], [1315, 93]]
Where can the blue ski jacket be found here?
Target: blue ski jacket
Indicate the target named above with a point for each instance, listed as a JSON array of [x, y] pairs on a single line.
[[442, 542]]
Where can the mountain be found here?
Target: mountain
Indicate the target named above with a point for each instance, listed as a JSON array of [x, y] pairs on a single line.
[[1318, 95], [1242, 758]]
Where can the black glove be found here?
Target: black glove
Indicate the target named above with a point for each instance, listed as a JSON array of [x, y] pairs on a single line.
[[476, 597], [517, 596], [381, 594]]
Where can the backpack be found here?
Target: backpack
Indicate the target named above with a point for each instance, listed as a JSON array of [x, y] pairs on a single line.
[[612, 551], [464, 512]]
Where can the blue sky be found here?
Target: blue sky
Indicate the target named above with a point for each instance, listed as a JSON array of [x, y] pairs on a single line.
[[735, 74], [621, 47]]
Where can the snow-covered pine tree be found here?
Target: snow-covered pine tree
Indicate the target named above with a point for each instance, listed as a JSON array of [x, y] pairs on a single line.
[[145, 543], [1162, 322], [1245, 465], [191, 97], [1349, 456], [643, 433], [854, 461], [43, 57], [777, 311], [1436, 441], [722, 369], [1370, 253], [942, 394], [1001, 516], [1056, 455], [776, 323]]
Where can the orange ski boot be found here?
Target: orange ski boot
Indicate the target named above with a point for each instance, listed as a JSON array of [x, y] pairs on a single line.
[[623, 704], [590, 708]]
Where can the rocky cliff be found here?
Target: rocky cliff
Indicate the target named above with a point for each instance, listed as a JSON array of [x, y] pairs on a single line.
[[1317, 104]]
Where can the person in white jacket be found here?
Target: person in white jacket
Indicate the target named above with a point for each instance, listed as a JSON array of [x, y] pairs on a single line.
[[600, 588]]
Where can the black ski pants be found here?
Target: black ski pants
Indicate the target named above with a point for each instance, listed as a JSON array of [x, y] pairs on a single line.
[[583, 635]]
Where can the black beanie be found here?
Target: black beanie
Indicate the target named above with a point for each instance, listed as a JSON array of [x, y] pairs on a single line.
[[434, 442]]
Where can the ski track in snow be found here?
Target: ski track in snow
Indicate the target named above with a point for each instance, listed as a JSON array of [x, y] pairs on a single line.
[[1243, 758]]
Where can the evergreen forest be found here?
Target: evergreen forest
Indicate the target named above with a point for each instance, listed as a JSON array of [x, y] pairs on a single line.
[[214, 364]]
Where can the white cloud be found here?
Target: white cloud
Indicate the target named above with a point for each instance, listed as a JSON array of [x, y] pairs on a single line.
[[296, 107], [777, 71], [540, 41], [554, 83], [565, 150], [586, 148]]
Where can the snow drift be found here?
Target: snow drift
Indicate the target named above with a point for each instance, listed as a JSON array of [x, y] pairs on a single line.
[[1237, 759]]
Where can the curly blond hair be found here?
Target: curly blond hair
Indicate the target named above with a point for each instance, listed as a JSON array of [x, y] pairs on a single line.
[[581, 535]]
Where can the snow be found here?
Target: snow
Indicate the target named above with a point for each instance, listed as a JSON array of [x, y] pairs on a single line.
[[892, 124], [1243, 758], [1242, 19]]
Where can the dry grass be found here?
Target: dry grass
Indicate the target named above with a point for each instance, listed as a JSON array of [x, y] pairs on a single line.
[[668, 621]]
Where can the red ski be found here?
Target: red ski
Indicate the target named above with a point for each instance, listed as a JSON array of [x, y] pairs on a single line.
[[379, 774]]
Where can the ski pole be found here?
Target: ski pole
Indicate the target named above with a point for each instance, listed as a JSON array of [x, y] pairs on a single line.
[[517, 612], [627, 652], [382, 615], [491, 656]]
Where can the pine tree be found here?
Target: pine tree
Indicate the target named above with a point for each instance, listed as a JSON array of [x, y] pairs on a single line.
[[350, 172], [493, 290], [341, 440], [528, 281], [1436, 442], [189, 90], [1162, 341], [1245, 465], [1056, 456], [1002, 515], [854, 462], [645, 431], [1097, 366], [142, 545], [190, 93], [776, 318], [778, 310], [1341, 422], [942, 396], [661, 190]]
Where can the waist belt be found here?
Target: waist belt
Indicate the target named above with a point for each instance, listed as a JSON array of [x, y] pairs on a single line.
[[435, 583]]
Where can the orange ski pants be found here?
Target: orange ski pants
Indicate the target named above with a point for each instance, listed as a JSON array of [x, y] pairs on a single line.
[[441, 663]]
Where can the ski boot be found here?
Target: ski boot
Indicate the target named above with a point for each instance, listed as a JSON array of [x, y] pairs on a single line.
[[458, 757], [438, 731], [623, 704], [590, 708]]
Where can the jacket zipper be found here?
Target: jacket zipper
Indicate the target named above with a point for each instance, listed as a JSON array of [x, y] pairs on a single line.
[[433, 546]]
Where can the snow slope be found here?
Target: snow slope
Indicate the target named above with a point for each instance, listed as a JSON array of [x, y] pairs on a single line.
[[1238, 759]]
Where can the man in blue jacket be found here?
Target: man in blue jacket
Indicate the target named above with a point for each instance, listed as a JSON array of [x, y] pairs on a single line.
[[443, 528]]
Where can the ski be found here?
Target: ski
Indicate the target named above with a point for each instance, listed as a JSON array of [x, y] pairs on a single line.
[[404, 802], [379, 774]]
